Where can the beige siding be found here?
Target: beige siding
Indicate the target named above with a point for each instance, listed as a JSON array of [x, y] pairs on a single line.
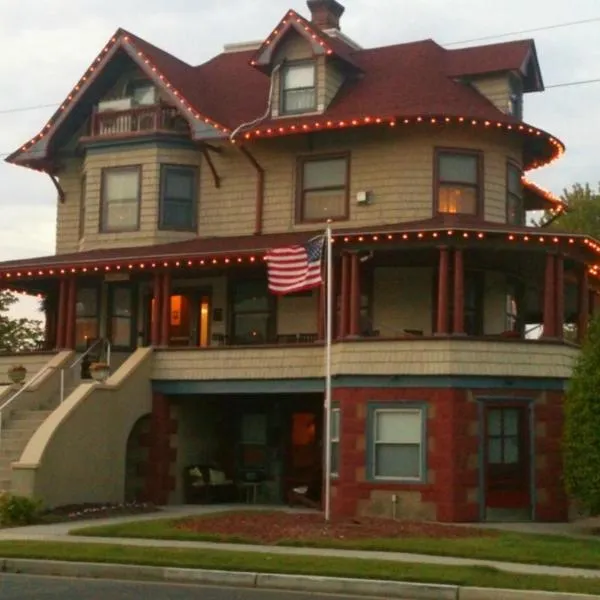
[[394, 164], [402, 300], [495, 88], [333, 80], [402, 357], [32, 362]]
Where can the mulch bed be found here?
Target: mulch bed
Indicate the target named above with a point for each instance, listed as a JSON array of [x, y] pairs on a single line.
[[79, 512], [273, 527]]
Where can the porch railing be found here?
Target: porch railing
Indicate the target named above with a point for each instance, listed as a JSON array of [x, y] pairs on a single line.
[[67, 375], [27, 386], [142, 119]]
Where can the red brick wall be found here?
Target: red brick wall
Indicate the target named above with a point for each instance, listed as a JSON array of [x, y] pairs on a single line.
[[451, 492]]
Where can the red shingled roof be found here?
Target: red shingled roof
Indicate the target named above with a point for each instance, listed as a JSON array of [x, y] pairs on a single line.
[[401, 81]]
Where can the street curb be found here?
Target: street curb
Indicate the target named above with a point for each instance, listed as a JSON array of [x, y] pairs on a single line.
[[268, 581]]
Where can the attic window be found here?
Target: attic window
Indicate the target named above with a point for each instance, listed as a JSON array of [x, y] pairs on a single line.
[[298, 89], [142, 91]]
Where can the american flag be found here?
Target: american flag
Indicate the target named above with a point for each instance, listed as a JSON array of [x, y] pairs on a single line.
[[295, 268]]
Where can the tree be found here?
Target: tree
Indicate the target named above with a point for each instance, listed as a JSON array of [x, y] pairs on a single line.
[[17, 335], [583, 215], [582, 425]]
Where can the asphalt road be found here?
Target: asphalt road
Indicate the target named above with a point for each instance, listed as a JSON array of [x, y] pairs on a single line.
[[28, 587]]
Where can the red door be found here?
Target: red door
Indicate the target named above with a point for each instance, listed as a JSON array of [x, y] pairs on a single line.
[[507, 457]]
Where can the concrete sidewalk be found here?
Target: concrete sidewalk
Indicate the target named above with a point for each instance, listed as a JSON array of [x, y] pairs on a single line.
[[59, 532]]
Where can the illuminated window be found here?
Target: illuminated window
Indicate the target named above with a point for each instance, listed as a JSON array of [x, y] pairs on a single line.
[[458, 182]]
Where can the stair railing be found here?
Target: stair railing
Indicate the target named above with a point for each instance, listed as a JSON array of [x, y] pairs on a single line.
[[28, 385], [106, 350]]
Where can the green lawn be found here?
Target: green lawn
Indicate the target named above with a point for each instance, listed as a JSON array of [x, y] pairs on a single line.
[[511, 547], [306, 565]]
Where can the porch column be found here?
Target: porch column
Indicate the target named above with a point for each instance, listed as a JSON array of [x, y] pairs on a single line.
[[459, 293], [584, 305], [560, 295], [354, 329], [165, 309], [155, 332], [61, 310], [321, 299], [549, 298], [345, 297], [442, 302], [159, 456], [70, 313]]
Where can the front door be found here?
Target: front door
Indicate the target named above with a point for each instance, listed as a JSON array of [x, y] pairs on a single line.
[[507, 460], [189, 318]]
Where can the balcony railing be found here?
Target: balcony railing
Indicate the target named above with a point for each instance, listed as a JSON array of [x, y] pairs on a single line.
[[139, 120]]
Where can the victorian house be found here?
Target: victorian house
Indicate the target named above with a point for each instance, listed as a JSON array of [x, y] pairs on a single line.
[[173, 181]]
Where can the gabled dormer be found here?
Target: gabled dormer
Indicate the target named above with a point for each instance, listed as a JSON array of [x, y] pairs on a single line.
[[307, 61], [502, 73]]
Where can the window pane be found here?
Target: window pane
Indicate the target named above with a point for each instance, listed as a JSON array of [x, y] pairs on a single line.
[[121, 215], [320, 206], [401, 461], [250, 296], [511, 421], [121, 185], [458, 168], [120, 331], [254, 429], [457, 199], [300, 76], [178, 214], [121, 302], [86, 328], [494, 422], [179, 183], [515, 213], [335, 458], [251, 328], [325, 173], [401, 426], [514, 180], [511, 450], [299, 100], [495, 451], [86, 304], [335, 424]]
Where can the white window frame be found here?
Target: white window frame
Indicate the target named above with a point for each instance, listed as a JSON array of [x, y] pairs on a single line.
[[285, 110], [422, 440]]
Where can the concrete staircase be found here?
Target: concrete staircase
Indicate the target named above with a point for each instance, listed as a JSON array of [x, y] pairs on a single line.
[[17, 432]]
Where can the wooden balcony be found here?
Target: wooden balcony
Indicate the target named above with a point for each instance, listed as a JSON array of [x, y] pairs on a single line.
[[141, 120]]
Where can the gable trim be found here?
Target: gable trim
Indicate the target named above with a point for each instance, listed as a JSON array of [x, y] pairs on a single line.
[[36, 148]]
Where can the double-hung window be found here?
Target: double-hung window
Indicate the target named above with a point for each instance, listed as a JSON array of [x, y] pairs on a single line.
[[459, 185], [323, 188], [298, 88], [515, 211], [120, 199], [178, 193], [398, 440]]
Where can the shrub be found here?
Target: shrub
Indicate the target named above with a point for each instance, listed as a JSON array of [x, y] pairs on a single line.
[[18, 510]]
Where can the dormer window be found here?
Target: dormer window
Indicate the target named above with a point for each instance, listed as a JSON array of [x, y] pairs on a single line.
[[298, 89]]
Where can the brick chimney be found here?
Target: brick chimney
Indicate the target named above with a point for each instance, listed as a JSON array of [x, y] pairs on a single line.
[[325, 14]]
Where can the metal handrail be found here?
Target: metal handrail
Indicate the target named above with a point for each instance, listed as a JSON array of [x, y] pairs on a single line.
[[22, 389], [79, 359]]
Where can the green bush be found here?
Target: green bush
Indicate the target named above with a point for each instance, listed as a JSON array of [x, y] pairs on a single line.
[[582, 425], [18, 510]]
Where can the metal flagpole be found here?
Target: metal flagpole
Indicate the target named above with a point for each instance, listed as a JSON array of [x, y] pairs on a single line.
[[328, 335]]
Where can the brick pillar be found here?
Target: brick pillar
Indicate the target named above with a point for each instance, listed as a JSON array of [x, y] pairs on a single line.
[[61, 314], [155, 332], [345, 298], [160, 456], [70, 313], [560, 296], [459, 293], [165, 318], [549, 298], [354, 328], [442, 325], [584, 305]]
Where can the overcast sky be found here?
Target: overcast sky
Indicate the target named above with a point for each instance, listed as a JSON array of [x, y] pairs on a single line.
[[46, 45]]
